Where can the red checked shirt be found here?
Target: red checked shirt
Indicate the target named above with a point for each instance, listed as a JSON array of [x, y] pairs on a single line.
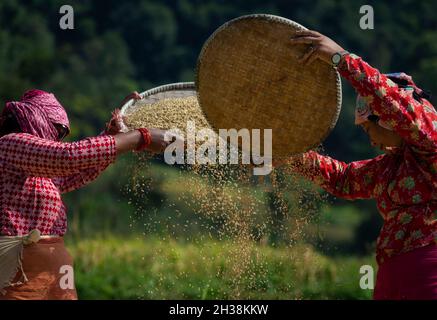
[[404, 184], [34, 173]]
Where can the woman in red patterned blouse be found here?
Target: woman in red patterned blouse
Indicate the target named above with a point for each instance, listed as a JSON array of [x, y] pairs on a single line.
[[36, 168], [399, 119]]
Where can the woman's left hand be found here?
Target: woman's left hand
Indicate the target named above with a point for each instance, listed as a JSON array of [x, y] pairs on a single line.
[[115, 125], [320, 46]]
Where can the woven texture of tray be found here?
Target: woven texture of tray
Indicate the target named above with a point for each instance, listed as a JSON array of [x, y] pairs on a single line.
[[174, 90], [248, 76]]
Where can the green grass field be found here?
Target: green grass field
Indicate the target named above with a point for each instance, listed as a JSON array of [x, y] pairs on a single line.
[[147, 268]]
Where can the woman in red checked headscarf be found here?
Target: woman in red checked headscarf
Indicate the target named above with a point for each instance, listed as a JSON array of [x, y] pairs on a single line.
[[401, 121], [36, 168]]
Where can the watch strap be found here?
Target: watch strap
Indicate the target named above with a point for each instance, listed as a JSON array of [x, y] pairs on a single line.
[[341, 54]]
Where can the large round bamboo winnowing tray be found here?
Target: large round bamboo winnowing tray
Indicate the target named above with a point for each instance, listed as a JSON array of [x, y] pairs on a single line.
[[249, 76], [152, 96]]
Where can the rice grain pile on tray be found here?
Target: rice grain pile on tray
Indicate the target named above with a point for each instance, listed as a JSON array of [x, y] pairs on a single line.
[[168, 113]]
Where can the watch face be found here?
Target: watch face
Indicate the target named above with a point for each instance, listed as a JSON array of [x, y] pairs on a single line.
[[336, 58]]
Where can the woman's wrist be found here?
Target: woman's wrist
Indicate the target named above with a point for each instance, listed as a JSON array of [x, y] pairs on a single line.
[[338, 57], [146, 139]]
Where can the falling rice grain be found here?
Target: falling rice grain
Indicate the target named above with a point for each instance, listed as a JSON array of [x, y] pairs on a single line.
[[219, 202]]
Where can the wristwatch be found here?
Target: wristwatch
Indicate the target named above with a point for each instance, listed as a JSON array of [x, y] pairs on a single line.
[[336, 57]]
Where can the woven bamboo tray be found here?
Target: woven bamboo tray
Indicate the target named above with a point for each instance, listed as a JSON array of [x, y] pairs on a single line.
[[248, 76], [174, 90]]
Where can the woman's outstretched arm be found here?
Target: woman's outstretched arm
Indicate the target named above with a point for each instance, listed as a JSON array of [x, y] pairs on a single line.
[[355, 180], [45, 158], [124, 143]]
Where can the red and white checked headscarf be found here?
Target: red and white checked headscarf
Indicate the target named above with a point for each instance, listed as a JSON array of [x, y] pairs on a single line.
[[37, 112]]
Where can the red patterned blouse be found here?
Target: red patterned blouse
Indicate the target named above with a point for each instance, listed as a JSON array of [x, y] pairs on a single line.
[[34, 173], [404, 184]]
